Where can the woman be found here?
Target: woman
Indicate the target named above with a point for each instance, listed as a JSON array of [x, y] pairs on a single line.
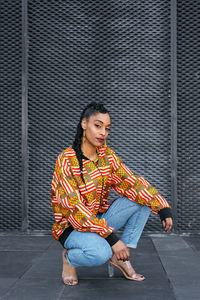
[[85, 221]]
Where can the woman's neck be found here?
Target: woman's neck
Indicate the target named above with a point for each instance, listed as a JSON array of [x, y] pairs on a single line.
[[89, 150]]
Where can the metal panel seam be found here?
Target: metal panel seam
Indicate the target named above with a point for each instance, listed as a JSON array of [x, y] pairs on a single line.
[[24, 114], [174, 109]]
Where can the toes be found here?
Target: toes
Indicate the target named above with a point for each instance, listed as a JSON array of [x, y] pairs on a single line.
[[75, 282], [70, 281], [139, 277]]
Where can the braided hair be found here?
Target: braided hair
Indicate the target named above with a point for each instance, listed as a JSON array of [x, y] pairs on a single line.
[[91, 109]]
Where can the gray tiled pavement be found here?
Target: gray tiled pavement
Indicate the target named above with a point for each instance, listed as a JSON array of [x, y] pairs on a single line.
[[30, 268]]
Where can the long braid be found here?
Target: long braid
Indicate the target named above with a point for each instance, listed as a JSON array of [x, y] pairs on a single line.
[[88, 111], [77, 147]]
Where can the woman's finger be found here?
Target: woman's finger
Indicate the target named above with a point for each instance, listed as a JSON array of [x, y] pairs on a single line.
[[118, 255], [163, 223], [167, 228], [168, 225]]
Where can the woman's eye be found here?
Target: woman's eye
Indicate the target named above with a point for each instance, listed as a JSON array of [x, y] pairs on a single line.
[[108, 129], [97, 125]]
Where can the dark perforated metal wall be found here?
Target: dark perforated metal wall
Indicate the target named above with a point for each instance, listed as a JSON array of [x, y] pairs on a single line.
[[10, 115], [117, 52], [188, 43]]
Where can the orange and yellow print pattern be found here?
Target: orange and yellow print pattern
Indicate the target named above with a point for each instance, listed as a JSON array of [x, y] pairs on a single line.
[[77, 204]]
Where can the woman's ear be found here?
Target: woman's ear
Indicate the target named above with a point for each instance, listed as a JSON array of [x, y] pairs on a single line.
[[84, 123]]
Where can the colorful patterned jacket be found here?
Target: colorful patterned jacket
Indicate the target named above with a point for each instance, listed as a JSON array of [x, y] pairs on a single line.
[[77, 204]]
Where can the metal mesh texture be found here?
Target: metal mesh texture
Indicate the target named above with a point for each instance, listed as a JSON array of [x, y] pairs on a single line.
[[10, 120], [188, 44], [117, 52]]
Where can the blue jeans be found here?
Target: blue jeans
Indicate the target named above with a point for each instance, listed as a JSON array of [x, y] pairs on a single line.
[[90, 249]]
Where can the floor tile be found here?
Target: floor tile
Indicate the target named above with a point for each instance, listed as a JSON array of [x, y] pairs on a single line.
[[109, 289], [41, 289], [15, 263], [194, 242], [21, 242], [55, 245], [182, 265], [6, 284]]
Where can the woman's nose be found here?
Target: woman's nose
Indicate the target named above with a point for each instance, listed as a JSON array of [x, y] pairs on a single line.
[[103, 131]]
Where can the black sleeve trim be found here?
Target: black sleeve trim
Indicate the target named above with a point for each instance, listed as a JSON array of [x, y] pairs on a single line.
[[112, 239], [165, 213], [65, 234]]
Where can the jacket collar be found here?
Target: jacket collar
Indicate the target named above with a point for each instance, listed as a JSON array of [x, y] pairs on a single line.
[[100, 151]]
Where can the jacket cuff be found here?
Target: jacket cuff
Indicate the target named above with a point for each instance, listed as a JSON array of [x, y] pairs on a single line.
[[165, 213], [65, 234], [112, 239]]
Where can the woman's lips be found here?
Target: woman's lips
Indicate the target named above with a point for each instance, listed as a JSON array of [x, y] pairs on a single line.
[[100, 140]]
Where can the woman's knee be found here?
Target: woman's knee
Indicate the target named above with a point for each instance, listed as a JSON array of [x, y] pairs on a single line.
[[99, 255]]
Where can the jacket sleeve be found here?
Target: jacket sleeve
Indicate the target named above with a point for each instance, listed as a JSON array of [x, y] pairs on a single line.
[[68, 204], [137, 188]]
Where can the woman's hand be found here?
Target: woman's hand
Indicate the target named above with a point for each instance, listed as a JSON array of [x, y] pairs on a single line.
[[167, 224], [121, 251]]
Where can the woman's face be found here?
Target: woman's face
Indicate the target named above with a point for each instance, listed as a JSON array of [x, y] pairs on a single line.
[[96, 128]]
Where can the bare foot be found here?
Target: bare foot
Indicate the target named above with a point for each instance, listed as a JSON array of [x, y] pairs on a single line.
[[69, 273], [126, 268]]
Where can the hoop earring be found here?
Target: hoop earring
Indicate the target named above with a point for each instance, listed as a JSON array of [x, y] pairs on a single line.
[[105, 143], [83, 136]]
